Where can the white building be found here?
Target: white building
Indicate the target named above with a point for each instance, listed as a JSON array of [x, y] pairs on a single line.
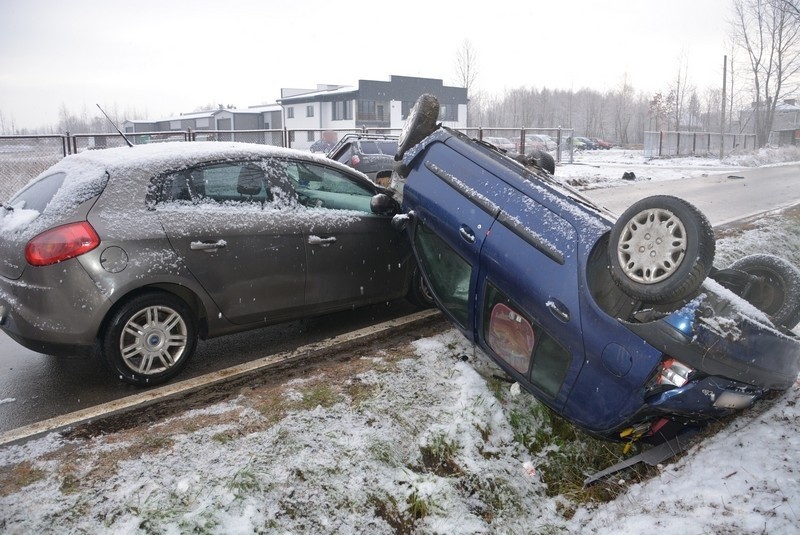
[[373, 104]]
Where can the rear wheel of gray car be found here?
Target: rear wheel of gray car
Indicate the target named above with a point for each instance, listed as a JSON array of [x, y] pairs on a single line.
[[421, 123], [775, 289], [661, 250], [150, 339]]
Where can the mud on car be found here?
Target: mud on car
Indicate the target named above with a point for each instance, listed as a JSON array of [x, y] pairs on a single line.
[[621, 325]]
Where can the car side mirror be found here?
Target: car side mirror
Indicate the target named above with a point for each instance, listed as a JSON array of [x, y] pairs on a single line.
[[383, 204]]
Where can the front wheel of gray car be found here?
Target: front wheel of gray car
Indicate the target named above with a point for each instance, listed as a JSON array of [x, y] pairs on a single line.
[[420, 293], [150, 339]]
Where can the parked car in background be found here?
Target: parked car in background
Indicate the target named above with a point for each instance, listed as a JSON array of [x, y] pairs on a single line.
[[545, 142], [372, 154], [601, 143], [621, 325], [575, 142], [588, 144], [501, 143], [140, 251]]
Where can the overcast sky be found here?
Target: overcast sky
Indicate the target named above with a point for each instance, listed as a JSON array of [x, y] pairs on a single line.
[[165, 57]]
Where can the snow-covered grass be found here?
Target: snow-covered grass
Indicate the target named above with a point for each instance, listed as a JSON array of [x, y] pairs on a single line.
[[604, 168]]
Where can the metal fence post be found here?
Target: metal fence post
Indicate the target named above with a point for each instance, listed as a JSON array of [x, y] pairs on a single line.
[[558, 145], [694, 143], [64, 145], [480, 133], [660, 142], [678, 148], [522, 141]]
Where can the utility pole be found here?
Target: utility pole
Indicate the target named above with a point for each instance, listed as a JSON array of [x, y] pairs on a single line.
[[724, 105]]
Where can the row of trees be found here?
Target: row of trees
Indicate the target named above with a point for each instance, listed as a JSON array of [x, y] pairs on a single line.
[[622, 114], [763, 54]]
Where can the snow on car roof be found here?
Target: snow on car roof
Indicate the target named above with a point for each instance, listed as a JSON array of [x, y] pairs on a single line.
[[170, 154], [87, 172]]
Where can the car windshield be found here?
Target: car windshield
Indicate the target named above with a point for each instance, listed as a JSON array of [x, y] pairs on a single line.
[[388, 147]]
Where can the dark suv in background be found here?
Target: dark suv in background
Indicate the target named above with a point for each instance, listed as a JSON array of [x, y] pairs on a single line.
[[372, 154]]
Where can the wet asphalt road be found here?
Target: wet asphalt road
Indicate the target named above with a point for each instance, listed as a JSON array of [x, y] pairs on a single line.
[[43, 386]]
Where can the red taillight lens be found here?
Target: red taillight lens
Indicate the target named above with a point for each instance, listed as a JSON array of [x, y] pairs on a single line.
[[61, 243], [355, 160]]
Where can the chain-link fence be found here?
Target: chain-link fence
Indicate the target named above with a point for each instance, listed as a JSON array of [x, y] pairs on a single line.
[[24, 157], [658, 144], [556, 141]]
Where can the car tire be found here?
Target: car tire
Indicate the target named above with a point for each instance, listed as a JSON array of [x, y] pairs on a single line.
[[159, 332], [777, 294], [661, 249], [420, 293], [543, 160], [421, 123]]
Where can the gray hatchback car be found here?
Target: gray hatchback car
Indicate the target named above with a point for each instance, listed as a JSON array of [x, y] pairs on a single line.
[[139, 251]]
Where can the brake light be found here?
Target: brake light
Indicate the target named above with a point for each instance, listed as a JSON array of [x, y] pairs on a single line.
[[61, 243], [355, 160], [674, 372]]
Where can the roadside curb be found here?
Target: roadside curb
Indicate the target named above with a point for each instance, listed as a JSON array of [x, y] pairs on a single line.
[[188, 386]]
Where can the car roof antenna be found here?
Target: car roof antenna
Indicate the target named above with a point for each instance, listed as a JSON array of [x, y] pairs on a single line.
[[128, 141]]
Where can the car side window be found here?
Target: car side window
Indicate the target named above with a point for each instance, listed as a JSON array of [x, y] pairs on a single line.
[[448, 272], [223, 182], [318, 186], [256, 182], [519, 342]]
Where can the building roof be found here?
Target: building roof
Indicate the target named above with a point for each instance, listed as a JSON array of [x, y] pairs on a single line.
[[313, 94]]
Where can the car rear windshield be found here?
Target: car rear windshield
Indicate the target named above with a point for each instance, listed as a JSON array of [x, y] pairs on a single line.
[[39, 194], [378, 147]]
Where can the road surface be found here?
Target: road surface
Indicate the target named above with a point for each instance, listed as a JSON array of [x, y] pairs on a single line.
[[721, 198], [42, 386]]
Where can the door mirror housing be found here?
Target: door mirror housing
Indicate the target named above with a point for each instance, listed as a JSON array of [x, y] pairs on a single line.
[[383, 204]]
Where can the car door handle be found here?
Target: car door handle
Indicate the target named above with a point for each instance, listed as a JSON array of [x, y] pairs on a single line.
[[316, 240], [467, 234], [558, 310], [207, 246]]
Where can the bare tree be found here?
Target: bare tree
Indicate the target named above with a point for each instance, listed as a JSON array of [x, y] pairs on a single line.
[[769, 33], [679, 88], [466, 75], [466, 65], [623, 109]]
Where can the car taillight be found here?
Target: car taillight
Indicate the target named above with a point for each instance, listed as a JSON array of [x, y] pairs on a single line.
[[355, 160], [61, 243], [674, 372]]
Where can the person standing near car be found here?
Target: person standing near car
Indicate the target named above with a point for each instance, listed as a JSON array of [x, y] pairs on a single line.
[[325, 143]]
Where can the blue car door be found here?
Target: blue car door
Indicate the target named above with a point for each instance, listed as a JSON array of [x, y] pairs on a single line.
[[528, 297], [451, 222]]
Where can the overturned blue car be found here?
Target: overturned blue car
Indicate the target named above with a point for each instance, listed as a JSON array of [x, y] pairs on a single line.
[[620, 325]]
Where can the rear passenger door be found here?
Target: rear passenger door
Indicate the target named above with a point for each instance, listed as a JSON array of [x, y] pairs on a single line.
[[232, 225], [529, 306]]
